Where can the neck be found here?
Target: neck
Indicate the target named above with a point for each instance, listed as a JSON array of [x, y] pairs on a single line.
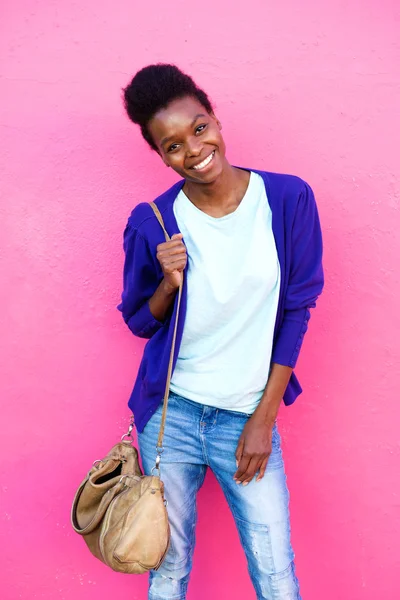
[[225, 189]]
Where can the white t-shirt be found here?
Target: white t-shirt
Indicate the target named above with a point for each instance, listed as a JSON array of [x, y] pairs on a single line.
[[233, 284]]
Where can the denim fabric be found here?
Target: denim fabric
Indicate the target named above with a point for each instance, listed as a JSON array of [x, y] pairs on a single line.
[[198, 437]]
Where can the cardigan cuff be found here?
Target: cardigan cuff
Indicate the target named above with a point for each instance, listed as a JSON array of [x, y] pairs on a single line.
[[290, 337], [143, 323]]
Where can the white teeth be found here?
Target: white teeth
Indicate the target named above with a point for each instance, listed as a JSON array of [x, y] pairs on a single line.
[[205, 162]]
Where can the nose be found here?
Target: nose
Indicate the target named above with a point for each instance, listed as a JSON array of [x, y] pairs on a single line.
[[193, 147]]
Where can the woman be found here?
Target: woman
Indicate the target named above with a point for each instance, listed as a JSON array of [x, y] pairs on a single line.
[[248, 246]]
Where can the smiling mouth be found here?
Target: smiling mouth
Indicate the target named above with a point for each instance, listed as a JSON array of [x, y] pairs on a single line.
[[205, 162]]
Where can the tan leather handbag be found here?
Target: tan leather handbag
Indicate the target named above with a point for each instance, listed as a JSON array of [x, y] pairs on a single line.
[[121, 513]]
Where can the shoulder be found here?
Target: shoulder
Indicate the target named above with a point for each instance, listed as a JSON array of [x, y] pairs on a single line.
[[283, 184], [142, 218], [286, 193]]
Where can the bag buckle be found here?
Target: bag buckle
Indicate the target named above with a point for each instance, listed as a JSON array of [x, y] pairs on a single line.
[[123, 480], [128, 434], [160, 450]]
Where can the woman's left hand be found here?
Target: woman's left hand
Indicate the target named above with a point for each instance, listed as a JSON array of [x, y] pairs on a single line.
[[253, 450]]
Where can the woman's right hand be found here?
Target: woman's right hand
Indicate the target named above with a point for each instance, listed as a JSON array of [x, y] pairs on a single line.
[[172, 257]]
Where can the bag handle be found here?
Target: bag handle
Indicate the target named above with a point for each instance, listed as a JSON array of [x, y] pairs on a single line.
[[105, 502], [160, 448]]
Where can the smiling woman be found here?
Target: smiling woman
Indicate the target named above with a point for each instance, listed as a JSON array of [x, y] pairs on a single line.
[[188, 143], [246, 248]]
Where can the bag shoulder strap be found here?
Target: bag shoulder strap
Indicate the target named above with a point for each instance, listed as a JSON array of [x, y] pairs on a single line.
[[160, 220], [171, 358]]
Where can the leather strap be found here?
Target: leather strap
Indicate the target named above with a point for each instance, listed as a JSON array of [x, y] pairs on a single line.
[[171, 358]]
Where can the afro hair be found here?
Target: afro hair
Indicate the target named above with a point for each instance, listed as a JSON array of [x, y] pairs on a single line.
[[153, 88]]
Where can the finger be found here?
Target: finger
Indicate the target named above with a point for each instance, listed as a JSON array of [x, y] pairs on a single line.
[[251, 470], [176, 248], [170, 249], [167, 260], [239, 452], [262, 469], [174, 265], [177, 236], [170, 244], [242, 468], [170, 258]]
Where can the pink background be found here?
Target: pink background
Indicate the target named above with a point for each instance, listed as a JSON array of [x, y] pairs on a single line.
[[310, 88]]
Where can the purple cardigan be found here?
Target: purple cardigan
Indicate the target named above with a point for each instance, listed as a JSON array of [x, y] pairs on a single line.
[[298, 240]]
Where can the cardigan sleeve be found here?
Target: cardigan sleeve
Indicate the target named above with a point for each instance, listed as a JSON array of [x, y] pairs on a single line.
[[306, 279], [139, 284]]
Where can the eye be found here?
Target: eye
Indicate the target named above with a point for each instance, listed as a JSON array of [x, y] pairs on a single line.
[[201, 128], [173, 147]]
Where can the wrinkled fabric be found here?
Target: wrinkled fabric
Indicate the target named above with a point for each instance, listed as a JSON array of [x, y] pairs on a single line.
[[198, 437], [298, 239]]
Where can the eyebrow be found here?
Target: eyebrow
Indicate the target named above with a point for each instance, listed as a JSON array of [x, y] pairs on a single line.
[[167, 139]]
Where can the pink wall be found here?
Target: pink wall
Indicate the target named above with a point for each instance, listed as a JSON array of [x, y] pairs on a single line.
[[301, 87]]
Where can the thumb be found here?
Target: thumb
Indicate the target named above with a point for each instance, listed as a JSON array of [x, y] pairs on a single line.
[[177, 236]]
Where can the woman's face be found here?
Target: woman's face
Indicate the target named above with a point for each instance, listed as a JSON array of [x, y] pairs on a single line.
[[189, 140]]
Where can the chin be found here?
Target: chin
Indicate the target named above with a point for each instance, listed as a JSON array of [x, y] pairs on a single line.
[[207, 178]]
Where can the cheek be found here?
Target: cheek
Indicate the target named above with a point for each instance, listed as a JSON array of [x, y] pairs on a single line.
[[169, 159], [175, 161], [216, 137], [221, 145]]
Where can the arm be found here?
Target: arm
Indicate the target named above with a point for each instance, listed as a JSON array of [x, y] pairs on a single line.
[[267, 410], [139, 284], [306, 279], [305, 285], [161, 300], [172, 258], [145, 300], [255, 443]]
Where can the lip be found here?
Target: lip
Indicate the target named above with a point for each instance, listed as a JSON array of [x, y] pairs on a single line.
[[212, 154]]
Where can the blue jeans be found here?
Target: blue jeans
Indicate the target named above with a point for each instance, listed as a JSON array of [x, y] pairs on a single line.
[[197, 437]]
